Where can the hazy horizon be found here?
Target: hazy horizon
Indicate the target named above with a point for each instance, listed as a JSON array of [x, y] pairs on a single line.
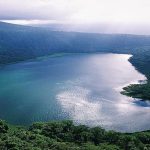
[[101, 16]]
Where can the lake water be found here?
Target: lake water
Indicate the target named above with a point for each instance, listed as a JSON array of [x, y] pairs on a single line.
[[82, 87]]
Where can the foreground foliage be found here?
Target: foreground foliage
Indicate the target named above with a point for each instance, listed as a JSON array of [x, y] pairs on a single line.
[[64, 135]]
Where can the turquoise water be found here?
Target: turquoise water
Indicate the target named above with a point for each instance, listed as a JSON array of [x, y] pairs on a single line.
[[82, 87]]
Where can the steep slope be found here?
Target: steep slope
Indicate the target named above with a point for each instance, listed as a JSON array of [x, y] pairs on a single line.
[[22, 42]]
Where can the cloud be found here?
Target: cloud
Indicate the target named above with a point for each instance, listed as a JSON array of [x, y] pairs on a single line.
[[34, 9], [105, 16], [79, 11]]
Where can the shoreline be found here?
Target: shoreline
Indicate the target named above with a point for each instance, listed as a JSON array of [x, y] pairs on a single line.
[[138, 90], [59, 55]]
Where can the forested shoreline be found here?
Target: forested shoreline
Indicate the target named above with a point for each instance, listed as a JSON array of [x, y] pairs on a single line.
[[141, 61]]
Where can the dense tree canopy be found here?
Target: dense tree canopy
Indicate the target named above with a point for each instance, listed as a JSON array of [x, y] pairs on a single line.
[[64, 135]]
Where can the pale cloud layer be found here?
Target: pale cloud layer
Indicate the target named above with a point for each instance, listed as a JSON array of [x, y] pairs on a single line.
[[108, 16], [95, 11]]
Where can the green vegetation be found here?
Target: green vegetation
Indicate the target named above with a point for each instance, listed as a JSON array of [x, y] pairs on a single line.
[[64, 135], [140, 91], [18, 43], [141, 60]]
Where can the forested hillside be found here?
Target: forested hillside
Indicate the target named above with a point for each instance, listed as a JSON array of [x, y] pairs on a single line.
[[64, 135], [21, 42]]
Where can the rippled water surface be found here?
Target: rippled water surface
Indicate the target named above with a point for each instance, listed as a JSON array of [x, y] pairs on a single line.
[[82, 87]]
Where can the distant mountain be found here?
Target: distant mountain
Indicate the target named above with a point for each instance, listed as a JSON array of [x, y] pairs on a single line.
[[22, 42], [8, 26]]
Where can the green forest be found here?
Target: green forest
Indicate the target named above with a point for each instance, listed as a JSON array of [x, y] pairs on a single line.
[[64, 135]]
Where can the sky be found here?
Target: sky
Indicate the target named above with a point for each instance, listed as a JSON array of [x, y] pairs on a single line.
[[106, 15]]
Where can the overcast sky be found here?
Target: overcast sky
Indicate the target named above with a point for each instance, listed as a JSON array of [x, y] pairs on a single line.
[[126, 13]]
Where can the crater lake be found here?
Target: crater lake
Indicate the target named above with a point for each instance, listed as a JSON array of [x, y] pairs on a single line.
[[84, 88]]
